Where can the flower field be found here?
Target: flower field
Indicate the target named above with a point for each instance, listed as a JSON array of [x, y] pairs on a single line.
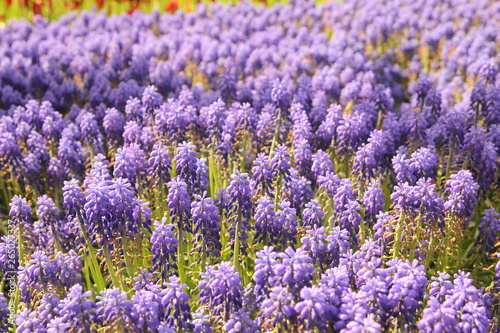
[[296, 168]]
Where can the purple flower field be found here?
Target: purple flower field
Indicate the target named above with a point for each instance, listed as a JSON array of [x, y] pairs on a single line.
[[297, 168]]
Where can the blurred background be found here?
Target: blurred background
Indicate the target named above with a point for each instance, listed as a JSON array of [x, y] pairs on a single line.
[[52, 9]]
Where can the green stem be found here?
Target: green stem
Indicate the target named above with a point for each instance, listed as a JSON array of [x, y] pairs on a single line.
[[101, 285], [277, 191], [276, 135], [363, 232], [128, 264], [416, 238], [110, 265], [180, 257], [236, 251], [450, 158], [430, 251], [399, 233], [379, 119]]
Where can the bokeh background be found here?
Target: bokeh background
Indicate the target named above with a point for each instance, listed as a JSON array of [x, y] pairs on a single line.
[[52, 9]]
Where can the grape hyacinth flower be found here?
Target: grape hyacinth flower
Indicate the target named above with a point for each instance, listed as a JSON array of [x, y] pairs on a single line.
[[285, 225], [113, 308], [312, 215], [462, 194], [206, 222], [240, 322], [277, 311], [264, 271], [186, 165], [4, 314], [240, 212], [77, 309], [488, 230], [262, 177], [295, 270], [176, 306], [164, 247], [265, 221], [314, 309], [221, 290], [159, 166], [373, 200], [48, 214]]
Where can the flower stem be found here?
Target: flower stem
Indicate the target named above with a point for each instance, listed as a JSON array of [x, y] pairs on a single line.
[[236, 251], [276, 134], [110, 265], [128, 264], [399, 233]]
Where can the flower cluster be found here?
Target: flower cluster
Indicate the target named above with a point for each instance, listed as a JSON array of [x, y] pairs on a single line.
[[299, 168]]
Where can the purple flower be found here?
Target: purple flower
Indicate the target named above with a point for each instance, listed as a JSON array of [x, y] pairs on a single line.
[[327, 130], [159, 166], [164, 247], [312, 215], [403, 168], [40, 271], [278, 309], [330, 182], [280, 97], [362, 323], [57, 325], [151, 98], [315, 244], [285, 226], [55, 172], [295, 270], [69, 268], [146, 310], [405, 197], [113, 308], [71, 154], [175, 302], [221, 290], [322, 165], [431, 205], [297, 191], [206, 223], [373, 201], [373, 157], [488, 230], [240, 322], [49, 217], [314, 310], [73, 197], [201, 323], [214, 118], [262, 176], [264, 270], [240, 209], [265, 228], [462, 194], [90, 133], [186, 164], [114, 124], [20, 214], [302, 156], [280, 163], [424, 163], [179, 205], [480, 155], [77, 309], [130, 163], [4, 314]]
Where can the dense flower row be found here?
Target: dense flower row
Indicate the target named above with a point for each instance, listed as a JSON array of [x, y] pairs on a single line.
[[245, 169]]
